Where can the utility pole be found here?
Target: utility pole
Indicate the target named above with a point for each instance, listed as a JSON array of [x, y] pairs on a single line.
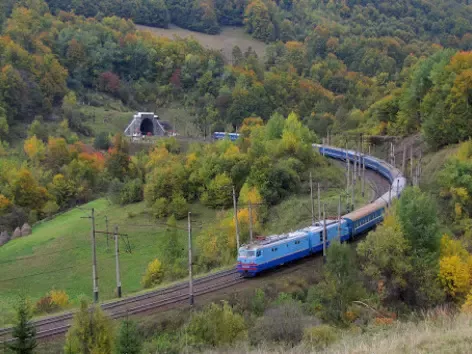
[[324, 233], [236, 219], [250, 221], [403, 160], [312, 201], [339, 218], [94, 260], [389, 197], [363, 176], [190, 274], [117, 262], [353, 190], [106, 228], [319, 203], [398, 188], [348, 168]]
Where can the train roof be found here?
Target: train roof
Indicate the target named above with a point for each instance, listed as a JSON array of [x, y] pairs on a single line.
[[275, 240]]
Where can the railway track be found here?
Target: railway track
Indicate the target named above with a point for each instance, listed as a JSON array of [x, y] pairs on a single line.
[[169, 297], [162, 298]]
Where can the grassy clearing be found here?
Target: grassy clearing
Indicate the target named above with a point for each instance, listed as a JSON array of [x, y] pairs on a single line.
[[58, 255], [225, 41], [114, 117]]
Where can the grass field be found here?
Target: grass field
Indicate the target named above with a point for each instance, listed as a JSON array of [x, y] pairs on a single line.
[[58, 253], [225, 41]]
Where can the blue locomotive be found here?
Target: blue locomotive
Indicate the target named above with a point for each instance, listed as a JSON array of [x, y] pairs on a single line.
[[275, 250]]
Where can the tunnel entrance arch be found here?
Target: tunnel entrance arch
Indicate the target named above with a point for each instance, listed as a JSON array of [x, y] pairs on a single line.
[[147, 127]]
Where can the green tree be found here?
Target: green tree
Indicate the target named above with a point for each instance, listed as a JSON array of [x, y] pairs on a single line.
[[101, 141], [91, 332], [218, 193], [24, 333], [384, 258], [129, 341], [217, 325], [341, 285]]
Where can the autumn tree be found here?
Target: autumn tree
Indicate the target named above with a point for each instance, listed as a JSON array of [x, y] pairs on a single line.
[[91, 332], [257, 21]]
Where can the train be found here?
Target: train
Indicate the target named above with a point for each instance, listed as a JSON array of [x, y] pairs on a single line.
[[275, 250], [222, 135]]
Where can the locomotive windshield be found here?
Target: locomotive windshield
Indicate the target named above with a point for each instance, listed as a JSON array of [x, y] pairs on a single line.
[[244, 253]]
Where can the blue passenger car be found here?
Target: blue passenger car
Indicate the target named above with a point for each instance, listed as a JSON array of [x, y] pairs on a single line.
[[223, 135]]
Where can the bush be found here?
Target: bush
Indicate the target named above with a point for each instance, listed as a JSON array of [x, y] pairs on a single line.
[[320, 336], [160, 208], [131, 192], [217, 325], [154, 274], [280, 324], [50, 208], [114, 191], [165, 344], [59, 298], [102, 141], [178, 207], [45, 305]]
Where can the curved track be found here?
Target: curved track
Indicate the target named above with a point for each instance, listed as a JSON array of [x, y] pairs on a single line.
[[169, 297]]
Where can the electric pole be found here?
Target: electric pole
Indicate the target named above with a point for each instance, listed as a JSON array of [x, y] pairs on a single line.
[[94, 260], [106, 228], [363, 176], [312, 202], [324, 233], [250, 221], [236, 219], [190, 274], [117, 262], [339, 218], [319, 203], [403, 160]]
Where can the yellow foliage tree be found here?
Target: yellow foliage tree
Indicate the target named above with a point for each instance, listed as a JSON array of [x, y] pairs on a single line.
[[451, 247], [59, 298], [154, 274], [4, 203], [454, 276], [35, 149], [467, 305]]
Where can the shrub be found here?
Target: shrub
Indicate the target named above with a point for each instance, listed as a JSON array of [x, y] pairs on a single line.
[[114, 191], [154, 274], [131, 192], [178, 207], [217, 325], [45, 305], [258, 302], [102, 141], [50, 208], [59, 298], [320, 336], [280, 324], [165, 343], [160, 208]]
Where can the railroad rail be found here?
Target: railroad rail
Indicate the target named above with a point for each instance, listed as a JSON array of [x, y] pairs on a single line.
[[59, 324]]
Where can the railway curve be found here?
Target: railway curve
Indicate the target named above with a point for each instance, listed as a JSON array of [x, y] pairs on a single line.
[[171, 296]]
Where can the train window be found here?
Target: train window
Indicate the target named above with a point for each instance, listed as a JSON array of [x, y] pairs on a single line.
[[258, 254], [251, 253]]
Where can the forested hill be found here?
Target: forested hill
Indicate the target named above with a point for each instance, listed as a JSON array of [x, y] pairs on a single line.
[[443, 21]]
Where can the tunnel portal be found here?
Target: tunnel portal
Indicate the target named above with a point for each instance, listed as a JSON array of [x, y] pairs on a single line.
[[147, 127]]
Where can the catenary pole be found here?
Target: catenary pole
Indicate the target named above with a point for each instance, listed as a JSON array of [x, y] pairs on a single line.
[[250, 221], [106, 228], [324, 233], [117, 262], [94, 260], [312, 201], [319, 203], [190, 273], [339, 217], [236, 218]]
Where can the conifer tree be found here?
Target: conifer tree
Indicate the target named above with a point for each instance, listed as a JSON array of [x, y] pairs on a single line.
[[24, 332], [129, 341]]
